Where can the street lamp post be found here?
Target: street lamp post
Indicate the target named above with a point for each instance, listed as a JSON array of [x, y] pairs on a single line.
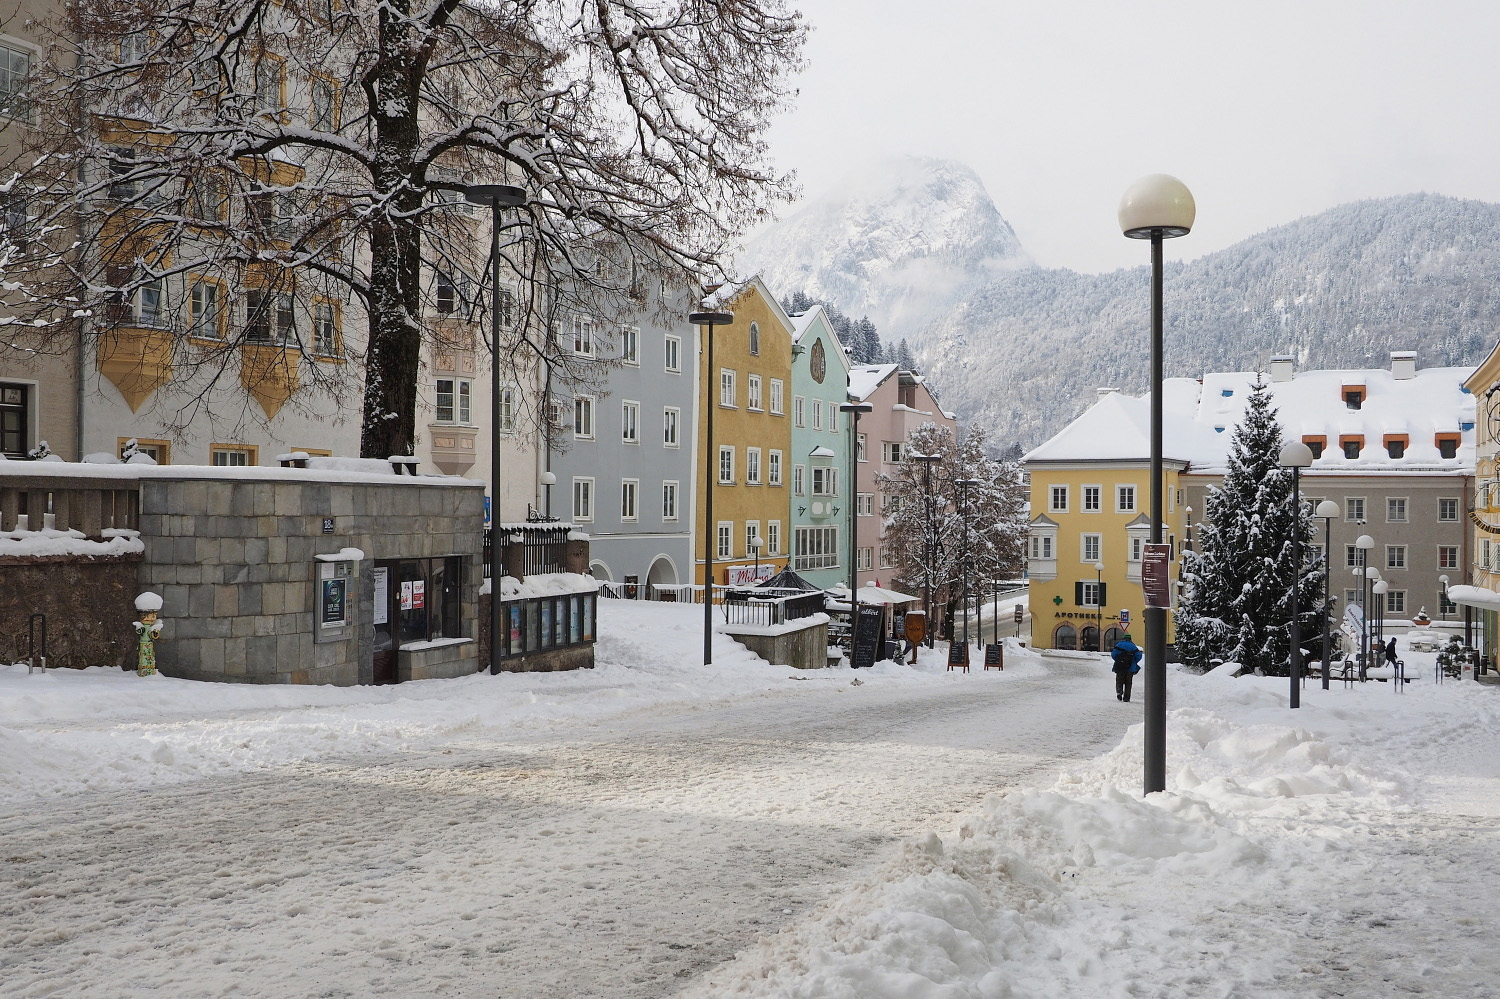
[[1296, 456], [1157, 207], [1444, 608], [964, 485], [927, 460], [855, 411], [1328, 509], [549, 479], [1098, 606], [755, 542], [710, 533], [1020, 613], [1379, 591], [1364, 543], [497, 196]]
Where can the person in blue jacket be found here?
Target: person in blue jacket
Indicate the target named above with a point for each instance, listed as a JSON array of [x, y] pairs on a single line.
[[1127, 657]]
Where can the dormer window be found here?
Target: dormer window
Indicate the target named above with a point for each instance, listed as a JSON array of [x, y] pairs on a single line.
[[1354, 396], [1447, 445], [1352, 445], [1315, 443], [1396, 444]]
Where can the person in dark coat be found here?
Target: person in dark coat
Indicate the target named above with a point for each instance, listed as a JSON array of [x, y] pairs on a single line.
[[1127, 657], [1390, 652]]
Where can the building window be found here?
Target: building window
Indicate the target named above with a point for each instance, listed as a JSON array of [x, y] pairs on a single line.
[[671, 417], [799, 411], [1353, 598], [752, 388], [453, 400], [817, 410], [322, 104], [773, 467], [1447, 556], [1446, 606], [1088, 593], [1395, 602], [630, 422], [445, 294], [752, 466], [270, 84], [752, 533], [1041, 546], [892, 452], [674, 353], [1448, 509], [159, 451], [269, 318], [583, 417], [887, 559], [799, 480], [507, 410], [1484, 553], [726, 465], [1058, 499], [1395, 556], [1125, 499], [773, 537], [208, 314], [1354, 509], [1354, 398], [726, 539], [669, 501], [1091, 545], [755, 338], [1395, 510], [1091, 500], [866, 560], [833, 418], [1447, 447], [1351, 448], [325, 329], [776, 397], [1351, 557], [15, 440], [859, 447], [825, 481], [629, 491], [583, 336], [232, 455], [726, 387], [864, 505], [150, 303], [630, 344], [15, 67], [583, 499], [1396, 447]]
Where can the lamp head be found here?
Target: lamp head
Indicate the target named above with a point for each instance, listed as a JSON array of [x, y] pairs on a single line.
[[1295, 454], [1157, 203], [495, 194], [711, 318], [1443, 580], [1098, 566], [1328, 509], [1380, 587], [549, 479], [1372, 573], [1364, 541]]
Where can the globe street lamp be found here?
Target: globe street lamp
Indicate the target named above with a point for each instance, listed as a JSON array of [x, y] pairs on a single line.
[[855, 411], [710, 533], [1444, 608], [927, 460], [1372, 576], [549, 479], [1328, 510], [755, 542], [1296, 456], [1379, 590], [1099, 606], [1157, 207], [497, 196]]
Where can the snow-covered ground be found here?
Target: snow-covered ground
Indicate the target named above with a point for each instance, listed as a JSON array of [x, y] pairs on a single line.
[[654, 827]]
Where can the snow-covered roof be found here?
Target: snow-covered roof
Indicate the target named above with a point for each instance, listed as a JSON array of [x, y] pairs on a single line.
[[864, 379], [1201, 416]]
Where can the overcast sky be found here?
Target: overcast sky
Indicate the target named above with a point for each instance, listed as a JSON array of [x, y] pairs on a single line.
[[1267, 110]]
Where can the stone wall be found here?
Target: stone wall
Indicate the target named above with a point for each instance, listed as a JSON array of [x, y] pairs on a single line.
[[89, 603], [802, 648], [234, 561]]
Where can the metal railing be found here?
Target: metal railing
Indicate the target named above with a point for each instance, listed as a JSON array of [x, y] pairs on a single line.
[[546, 548], [768, 608]]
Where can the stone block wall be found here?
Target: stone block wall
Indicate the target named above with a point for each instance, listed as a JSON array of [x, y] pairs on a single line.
[[89, 603], [802, 648], [234, 560]]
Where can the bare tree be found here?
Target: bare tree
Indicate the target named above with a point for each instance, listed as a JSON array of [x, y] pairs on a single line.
[[278, 158]]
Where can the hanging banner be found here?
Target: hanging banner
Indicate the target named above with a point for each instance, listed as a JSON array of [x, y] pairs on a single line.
[[1156, 575]]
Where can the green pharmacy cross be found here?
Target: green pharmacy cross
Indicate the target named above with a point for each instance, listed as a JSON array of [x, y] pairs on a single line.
[[1057, 600]]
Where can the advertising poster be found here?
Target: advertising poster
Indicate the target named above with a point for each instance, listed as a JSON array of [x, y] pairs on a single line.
[[575, 607], [546, 624], [418, 594], [406, 595], [382, 596], [1156, 575], [515, 627], [334, 594]]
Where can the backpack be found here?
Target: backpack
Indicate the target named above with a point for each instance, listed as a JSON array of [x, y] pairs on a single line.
[[1135, 662]]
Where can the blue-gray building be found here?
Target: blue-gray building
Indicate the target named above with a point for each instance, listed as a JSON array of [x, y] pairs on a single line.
[[821, 496]]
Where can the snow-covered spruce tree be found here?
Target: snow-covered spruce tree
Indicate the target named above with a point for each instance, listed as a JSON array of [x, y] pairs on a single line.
[[1236, 598], [996, 515], [294, 152]]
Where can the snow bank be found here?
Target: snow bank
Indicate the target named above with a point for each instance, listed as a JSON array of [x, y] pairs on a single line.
[[50, 542]]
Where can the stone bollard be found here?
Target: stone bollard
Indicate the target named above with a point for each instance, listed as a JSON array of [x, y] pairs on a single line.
[[147, 630]]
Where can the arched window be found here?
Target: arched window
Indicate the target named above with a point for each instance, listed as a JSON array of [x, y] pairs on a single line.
[[1065, 637], [1112, 638], [755, 338], [1090, 642]]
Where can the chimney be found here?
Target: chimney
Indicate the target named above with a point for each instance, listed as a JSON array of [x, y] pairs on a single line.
[[1403, 364], [1102, 392], [1282, 366]]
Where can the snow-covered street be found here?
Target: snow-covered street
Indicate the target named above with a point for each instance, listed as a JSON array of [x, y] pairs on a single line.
[[655, 828]]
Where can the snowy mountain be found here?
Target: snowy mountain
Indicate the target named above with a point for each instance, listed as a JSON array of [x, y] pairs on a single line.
[[1023, 348], [900, 243]]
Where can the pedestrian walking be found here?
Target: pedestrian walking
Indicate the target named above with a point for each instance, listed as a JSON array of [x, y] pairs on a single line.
[[1390, 652], [1127, 657]]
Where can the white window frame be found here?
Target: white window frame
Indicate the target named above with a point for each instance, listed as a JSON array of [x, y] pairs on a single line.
[[1122, 489], [1090, 593], [1350, 514], [726, 388], [1053, 492], [460, 401], [669, 493], [752, 530], [773, 468], [1395, 556], [817, 547], [1137, 547], [865, 559], [859, 448], [206, 316], [673, 348], [1042, 546], [799, 411], [671, 423], [752, 394], [833, 417], [773, 538], [1085, 541], [726, 450], [799, 480], [893, 452], [507, 409], [583, 498], [583, 417], [1093, 499], [827, 483], [817, 414], [752, 466], [864, 504], [778, 396], [630, 421], [630, 500], [1448, 499], [1390, 508], [1443, 562], [630, 345], [1395, 601], [724, 539], [583, 336]]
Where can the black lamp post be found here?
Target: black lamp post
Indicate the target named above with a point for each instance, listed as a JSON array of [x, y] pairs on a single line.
[[1157, 207], [964, 485], [755, 544], [855, 411], [1366, 572], [710, 464], [1296, 456], [1328, 509], [497, 196], [1098, 606], [1444, 602], [927, 460]]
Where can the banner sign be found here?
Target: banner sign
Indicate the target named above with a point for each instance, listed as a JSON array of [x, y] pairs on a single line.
[[745, 575], [1156, 575]]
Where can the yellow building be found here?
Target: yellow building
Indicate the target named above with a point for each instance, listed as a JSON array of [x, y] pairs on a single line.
[[749, 455], [1090, 504], [1481, 600]]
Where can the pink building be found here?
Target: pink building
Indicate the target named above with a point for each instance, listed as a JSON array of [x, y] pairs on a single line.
[[902, 402]]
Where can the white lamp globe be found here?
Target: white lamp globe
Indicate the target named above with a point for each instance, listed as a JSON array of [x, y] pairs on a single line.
[[1157, 203], [1295, 454], [1328, 509]]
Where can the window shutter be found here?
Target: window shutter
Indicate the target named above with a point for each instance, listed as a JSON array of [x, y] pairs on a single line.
[[1102, 600], [1078, 594]]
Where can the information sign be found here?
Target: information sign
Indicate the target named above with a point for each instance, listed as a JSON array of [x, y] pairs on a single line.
[[382, 595], [1156, 575], [994, 656], [958, 656], [869, 622], [334, 603]]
